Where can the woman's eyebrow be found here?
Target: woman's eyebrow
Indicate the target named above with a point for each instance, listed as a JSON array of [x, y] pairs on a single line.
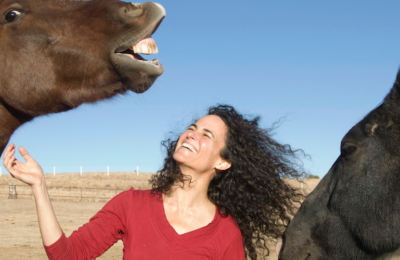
[[208, 131], [205, 129]]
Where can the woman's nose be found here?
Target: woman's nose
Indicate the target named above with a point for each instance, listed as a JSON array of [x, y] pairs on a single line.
[[191, 135]]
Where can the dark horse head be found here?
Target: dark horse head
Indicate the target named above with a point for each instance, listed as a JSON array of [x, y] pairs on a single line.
[[354, 213]]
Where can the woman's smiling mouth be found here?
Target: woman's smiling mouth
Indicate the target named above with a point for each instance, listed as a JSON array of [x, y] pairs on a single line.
[[190, 147]]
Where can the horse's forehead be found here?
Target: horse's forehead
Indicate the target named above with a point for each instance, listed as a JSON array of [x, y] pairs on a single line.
[[43, 5]]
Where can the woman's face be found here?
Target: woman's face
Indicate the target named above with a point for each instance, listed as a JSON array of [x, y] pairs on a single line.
[[200, 145]]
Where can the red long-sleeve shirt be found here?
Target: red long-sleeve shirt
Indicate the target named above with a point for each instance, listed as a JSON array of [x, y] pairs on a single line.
[[138, 218]]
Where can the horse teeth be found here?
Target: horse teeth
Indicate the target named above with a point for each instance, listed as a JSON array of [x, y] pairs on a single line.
[[146, 46]]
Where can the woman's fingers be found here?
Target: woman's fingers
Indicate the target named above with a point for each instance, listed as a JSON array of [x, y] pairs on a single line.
[[8, 157], [29, 172], [9, 147], [9, 150], [6, 154], [11, 163], [25, 154]]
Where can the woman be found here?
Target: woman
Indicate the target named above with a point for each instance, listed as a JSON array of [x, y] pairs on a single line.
[[219, 195]]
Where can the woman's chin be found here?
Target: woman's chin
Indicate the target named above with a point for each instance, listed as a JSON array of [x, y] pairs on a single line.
[[183, 155]]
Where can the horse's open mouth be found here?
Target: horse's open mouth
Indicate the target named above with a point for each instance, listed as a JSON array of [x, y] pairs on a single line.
[[126, 58], [145, 46]]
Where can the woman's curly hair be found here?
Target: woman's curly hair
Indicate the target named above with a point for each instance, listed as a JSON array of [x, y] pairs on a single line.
[[252, 190]]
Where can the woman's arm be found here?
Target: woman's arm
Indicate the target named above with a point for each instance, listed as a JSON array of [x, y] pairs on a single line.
[[31, 173]]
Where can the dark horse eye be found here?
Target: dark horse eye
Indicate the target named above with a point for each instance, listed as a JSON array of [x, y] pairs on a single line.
[[12, 15], [348, 150]]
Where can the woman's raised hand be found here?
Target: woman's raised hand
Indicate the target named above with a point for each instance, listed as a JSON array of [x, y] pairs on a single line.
[[29, 172]]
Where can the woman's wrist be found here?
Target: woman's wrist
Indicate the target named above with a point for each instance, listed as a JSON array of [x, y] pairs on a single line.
[[39, 189]]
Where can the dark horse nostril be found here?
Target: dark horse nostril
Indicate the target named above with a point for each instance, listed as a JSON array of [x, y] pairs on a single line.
[[130, 10]]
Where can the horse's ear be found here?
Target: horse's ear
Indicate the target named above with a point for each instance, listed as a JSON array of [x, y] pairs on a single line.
[[394, 94], [397, 82], [397, 78]]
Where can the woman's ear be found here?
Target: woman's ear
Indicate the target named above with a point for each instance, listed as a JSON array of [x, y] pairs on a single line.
[[223, 165]]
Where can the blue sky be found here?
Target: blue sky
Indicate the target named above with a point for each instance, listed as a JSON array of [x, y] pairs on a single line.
[[322, 65]]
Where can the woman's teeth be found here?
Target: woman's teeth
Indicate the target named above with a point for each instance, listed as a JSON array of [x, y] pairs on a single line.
[[188, 146]]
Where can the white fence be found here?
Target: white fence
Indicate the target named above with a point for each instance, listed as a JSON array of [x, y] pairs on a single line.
[[82, 169], [62, 193], [92, 169]]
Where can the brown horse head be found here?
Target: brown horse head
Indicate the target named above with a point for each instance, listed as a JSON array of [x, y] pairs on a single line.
[[58, 54]]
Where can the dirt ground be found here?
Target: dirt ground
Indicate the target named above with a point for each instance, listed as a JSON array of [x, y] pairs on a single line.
[[19, 230]]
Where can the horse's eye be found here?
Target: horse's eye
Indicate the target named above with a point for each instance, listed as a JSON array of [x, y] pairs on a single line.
[[348, 150], [12, 15]]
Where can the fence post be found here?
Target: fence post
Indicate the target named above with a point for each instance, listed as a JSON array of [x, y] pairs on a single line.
[[137, 170], [13, 192], [1, 171], [54, 172], [81, 170], [108, 170]]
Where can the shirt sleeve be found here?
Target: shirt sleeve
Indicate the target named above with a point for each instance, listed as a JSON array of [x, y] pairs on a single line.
[[234, 249], [95, 237]]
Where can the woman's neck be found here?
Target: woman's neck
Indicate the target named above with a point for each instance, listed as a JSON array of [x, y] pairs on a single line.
[[192, 193], [187, 206]]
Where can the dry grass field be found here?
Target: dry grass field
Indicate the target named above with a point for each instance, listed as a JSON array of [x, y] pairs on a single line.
[[20, 236]]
